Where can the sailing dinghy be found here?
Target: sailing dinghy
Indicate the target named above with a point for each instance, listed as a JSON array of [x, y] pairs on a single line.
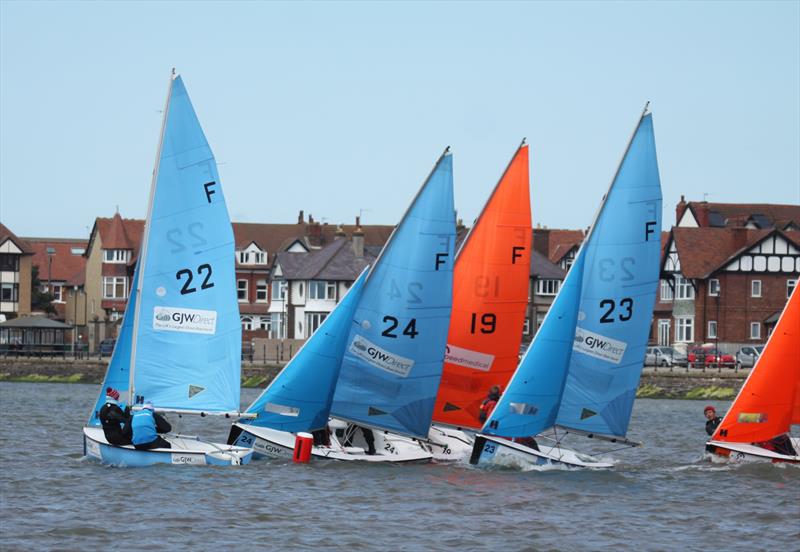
[[490, 296], [377, 359], [756, 428], [580, 374], [180, 340]]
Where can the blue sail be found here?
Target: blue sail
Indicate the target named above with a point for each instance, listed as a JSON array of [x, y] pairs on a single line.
[[620, 278], [119, 368], [530, 402], [395, 348], [299, 398], [187, 332]]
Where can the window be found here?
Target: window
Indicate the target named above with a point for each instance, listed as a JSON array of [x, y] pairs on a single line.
[[261, 291], [248, 256], [243, 257], [114, 316], [526, 327], [790, 285], [755, 288], [9, 292], [547, 287], [314, 320], [57, 293], [115, 287], [666, 291], [260, 257], [241, 290], [9, 262], [683, 288], [115, 255], [755, 330], [278, 331], [247, 323], [265, 323], [713, 287], [77, 250], [684, 329], [319, 289], [278, 290], [712, 329]]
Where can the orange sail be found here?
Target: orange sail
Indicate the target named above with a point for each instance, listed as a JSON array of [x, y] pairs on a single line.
[[490, 295], [769, 401]]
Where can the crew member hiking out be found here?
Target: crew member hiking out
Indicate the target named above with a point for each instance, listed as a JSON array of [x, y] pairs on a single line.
[[116, 422], [489, 403], [146, 426]]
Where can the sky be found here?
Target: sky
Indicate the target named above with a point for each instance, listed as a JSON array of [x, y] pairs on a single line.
[[341, 109]]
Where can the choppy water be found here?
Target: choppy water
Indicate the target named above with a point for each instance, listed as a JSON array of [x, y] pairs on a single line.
[[662, 496]]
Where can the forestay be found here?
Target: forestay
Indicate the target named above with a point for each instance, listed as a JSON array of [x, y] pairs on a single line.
[[186, 332], [393, 358], [299, 398]]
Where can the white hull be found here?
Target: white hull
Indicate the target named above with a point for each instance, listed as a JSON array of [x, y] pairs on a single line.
[[743, 452], [271, 443], [185, 451], [449, 444], [496, 451]]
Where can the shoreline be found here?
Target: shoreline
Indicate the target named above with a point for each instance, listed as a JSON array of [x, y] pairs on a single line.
[[655, 383]]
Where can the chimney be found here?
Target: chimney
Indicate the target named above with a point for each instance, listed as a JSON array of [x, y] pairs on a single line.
[[358, 239], [314, 232], [310, 218], [300, 217], [339, 232], [739, 237], [541, 241], [679, 210]]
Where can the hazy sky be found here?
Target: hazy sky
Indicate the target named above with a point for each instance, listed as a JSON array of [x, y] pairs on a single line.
[[341, 108]]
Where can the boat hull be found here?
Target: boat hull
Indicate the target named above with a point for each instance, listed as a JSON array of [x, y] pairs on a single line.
[[743, 453], [449, 444], [496, 451], [271, 443], [185, 452]]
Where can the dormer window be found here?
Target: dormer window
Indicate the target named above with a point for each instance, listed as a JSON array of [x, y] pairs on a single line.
[[251, 256], [116, 255]]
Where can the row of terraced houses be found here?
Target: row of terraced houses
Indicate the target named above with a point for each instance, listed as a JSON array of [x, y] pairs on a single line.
[[727, 270]]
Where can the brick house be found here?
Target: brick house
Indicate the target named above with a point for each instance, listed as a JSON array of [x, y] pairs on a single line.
[[60, 262], [15, 274], [727, 271]]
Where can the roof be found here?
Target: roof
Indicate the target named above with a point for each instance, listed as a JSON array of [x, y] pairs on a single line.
[[117, 233], [558, 241], [40, 322], [542, 268], [7, 234], [727, 215], [336, 261], [60, 263], [704, 250]]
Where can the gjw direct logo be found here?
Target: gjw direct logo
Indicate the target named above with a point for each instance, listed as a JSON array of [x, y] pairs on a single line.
[[184, 320], [599, 346], [380, 358]]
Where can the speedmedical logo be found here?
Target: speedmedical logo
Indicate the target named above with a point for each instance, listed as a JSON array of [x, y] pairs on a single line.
[[173, 319], [599, 346], [468, 359], [380, 358]]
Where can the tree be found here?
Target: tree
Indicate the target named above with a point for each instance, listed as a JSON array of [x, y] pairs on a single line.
[[40, 300]]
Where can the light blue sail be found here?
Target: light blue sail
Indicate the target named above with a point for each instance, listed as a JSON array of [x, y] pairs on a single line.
[[582, 369], [394, 352], [620, 279], [299, 398], [119, 368], [530, 403], [188, 334]]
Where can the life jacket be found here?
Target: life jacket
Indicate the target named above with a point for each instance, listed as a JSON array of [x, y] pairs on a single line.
[[143, 425], [486, 409]]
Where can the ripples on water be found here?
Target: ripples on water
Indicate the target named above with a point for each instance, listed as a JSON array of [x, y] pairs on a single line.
[[661, 496]]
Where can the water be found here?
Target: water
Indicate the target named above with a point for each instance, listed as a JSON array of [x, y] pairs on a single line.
[[662, 496]]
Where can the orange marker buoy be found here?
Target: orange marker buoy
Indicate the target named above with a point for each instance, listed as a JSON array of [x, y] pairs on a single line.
[[302, 448]]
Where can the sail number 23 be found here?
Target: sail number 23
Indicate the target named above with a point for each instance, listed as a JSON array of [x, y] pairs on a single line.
[[624, 310]]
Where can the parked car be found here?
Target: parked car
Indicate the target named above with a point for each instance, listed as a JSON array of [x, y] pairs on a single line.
[[107, 347], [664, 356], [746, 356], [700, 357]]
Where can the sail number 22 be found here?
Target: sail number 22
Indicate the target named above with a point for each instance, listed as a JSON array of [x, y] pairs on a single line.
[[204, 268]]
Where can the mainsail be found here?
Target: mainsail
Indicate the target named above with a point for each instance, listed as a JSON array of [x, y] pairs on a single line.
[[300, 396], [490, 295], [394, 351], [769, 401], [592, 342], [186, 333]]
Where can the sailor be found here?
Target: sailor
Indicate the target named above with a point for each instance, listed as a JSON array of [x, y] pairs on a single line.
[[369, 437], [147, 425], [489, 403], [712, 419], [116, 422]]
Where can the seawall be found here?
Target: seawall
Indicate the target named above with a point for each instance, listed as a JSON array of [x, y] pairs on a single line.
[[660, 383]]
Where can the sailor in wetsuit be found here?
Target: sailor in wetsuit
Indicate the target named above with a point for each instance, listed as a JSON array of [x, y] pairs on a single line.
[[116, 422], [712, 420]]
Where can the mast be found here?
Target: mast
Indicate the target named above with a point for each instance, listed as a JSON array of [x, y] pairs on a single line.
[[489, 199], [408, 209], [145, 239]]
